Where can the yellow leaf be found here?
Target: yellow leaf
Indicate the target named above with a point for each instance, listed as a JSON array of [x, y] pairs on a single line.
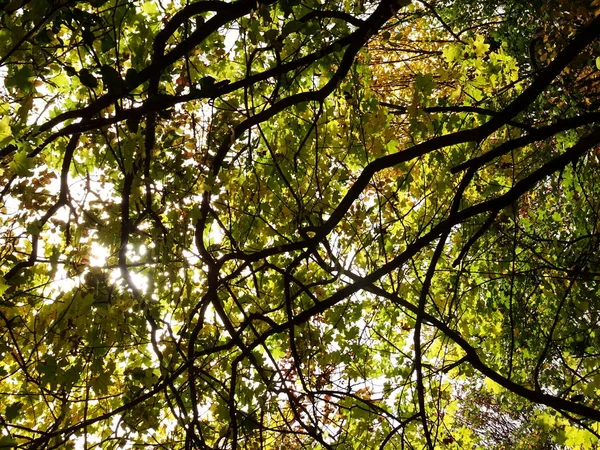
[[480, 46], [5, 130]]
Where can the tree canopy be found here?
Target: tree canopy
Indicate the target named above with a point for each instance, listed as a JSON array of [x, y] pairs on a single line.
[[285, 224]]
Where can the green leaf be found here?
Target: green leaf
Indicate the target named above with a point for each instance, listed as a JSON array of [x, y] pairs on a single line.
[[112, 80], [88, 37], [271, 35], [133, 124], [70, 71], [291, 27], [22, 164], [12, 411], [87, 79], [21, 80], [7, 442], [424, 84], [132, 78], [453, 53], [107, 43], [207, 82], [268, 248], [71, 376], [48, 369]]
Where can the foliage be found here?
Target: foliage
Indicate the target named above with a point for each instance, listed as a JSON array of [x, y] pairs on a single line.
[[299, 224]]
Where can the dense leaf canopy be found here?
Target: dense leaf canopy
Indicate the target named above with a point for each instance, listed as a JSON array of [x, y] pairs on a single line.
[[285, 224]]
